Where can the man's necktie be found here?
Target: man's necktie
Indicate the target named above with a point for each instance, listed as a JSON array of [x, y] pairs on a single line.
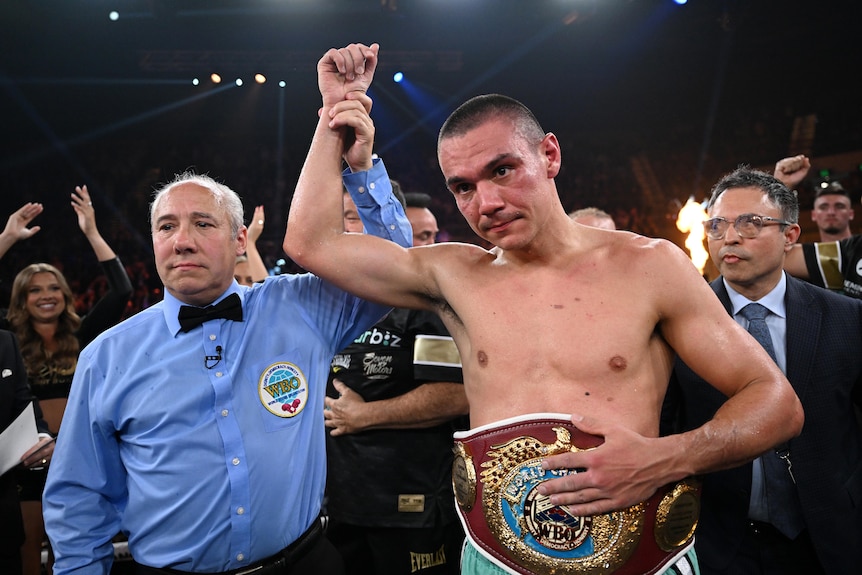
[[756, 316], [229, 308], [782, 500]]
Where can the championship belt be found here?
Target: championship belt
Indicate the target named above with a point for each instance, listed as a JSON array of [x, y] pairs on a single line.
[[496, 472]]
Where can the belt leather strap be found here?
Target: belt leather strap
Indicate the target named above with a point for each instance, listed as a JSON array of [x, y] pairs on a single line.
[[278, 564], [496, 472]]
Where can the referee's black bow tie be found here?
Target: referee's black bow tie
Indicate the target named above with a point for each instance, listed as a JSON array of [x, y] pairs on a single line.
[[228, 308]]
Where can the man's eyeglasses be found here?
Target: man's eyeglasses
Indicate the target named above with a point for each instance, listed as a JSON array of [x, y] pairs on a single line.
[[747, 226]]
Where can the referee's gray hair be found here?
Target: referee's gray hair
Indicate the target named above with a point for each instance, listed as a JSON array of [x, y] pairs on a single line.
[[223, 195]]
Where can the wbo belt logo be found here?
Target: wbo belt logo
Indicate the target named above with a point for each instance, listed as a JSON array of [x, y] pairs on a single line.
[[550, 526], [544, 527], [283, 389]]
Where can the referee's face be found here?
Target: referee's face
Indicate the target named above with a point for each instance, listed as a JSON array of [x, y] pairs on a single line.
[[194, 251]]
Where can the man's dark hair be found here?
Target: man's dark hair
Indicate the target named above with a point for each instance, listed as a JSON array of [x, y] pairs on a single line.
[[834, 188], [479, 109], [398, 193], [417, 200], [745, 177]]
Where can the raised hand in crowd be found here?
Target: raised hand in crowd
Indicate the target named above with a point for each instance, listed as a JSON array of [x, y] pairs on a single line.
[[249, 267], [83, 206], [17, 226], [792, 170]]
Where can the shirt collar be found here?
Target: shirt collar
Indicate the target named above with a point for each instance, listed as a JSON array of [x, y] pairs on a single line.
[[171, 306], [773, 301]]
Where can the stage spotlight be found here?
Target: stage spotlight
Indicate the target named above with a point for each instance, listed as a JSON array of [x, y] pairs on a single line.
[[259, 78], [680, 2], [195, 82], [282, 84], [113, 15], [397, 77], [239, 81], [215, 78]]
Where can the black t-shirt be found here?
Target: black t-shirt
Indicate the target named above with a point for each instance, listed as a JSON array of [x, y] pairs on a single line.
[[836, 265], [397, 477]]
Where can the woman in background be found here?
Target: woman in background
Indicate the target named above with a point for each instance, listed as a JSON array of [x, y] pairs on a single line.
[[51, 334]]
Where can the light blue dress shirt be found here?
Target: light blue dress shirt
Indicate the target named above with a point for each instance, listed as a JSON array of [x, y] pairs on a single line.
[[776, 321], [206, 466], [381, 213]]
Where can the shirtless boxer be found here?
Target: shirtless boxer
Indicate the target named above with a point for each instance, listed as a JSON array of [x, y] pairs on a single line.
[[556, 318]]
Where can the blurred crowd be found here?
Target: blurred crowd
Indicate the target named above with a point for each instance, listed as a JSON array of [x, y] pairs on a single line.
[[640, 179]]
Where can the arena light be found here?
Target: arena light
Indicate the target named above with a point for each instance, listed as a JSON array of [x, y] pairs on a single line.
[[259, 78], [238, 81], [397, 77], [215, 78]]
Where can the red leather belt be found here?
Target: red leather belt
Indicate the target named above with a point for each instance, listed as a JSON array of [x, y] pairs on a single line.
[[496, 472]]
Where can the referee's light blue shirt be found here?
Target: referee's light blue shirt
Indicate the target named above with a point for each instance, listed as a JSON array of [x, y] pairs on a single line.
[[206, 465]]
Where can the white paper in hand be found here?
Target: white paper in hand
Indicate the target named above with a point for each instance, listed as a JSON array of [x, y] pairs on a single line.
[[16, 439]]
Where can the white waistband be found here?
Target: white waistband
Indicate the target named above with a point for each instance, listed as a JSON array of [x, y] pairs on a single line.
[[562, 417]]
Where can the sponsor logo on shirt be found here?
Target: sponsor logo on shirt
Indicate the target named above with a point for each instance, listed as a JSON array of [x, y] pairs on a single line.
[[283, 389], [377, 366], [419, 561], [852, 289], [339, 362], [375, 336]]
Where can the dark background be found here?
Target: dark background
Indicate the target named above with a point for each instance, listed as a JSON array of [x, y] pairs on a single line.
[[652, 101]]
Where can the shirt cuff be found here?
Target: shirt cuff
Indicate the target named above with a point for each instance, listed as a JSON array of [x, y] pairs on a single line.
[[369, 187]]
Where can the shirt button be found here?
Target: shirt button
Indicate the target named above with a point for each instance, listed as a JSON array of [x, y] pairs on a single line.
[[235, 461], [219, 374], [240, 510], [212, 337], [361, 189], [372, 185], [391, 226], [224, 413], [240, 557]]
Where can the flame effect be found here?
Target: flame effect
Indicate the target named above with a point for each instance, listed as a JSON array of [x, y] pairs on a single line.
[[690, 221]]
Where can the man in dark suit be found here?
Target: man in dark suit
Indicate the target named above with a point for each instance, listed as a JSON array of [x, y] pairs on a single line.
[[816, 337], [14, 396]]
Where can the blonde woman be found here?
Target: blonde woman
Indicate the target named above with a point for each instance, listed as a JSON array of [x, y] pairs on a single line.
[[51, 334]]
